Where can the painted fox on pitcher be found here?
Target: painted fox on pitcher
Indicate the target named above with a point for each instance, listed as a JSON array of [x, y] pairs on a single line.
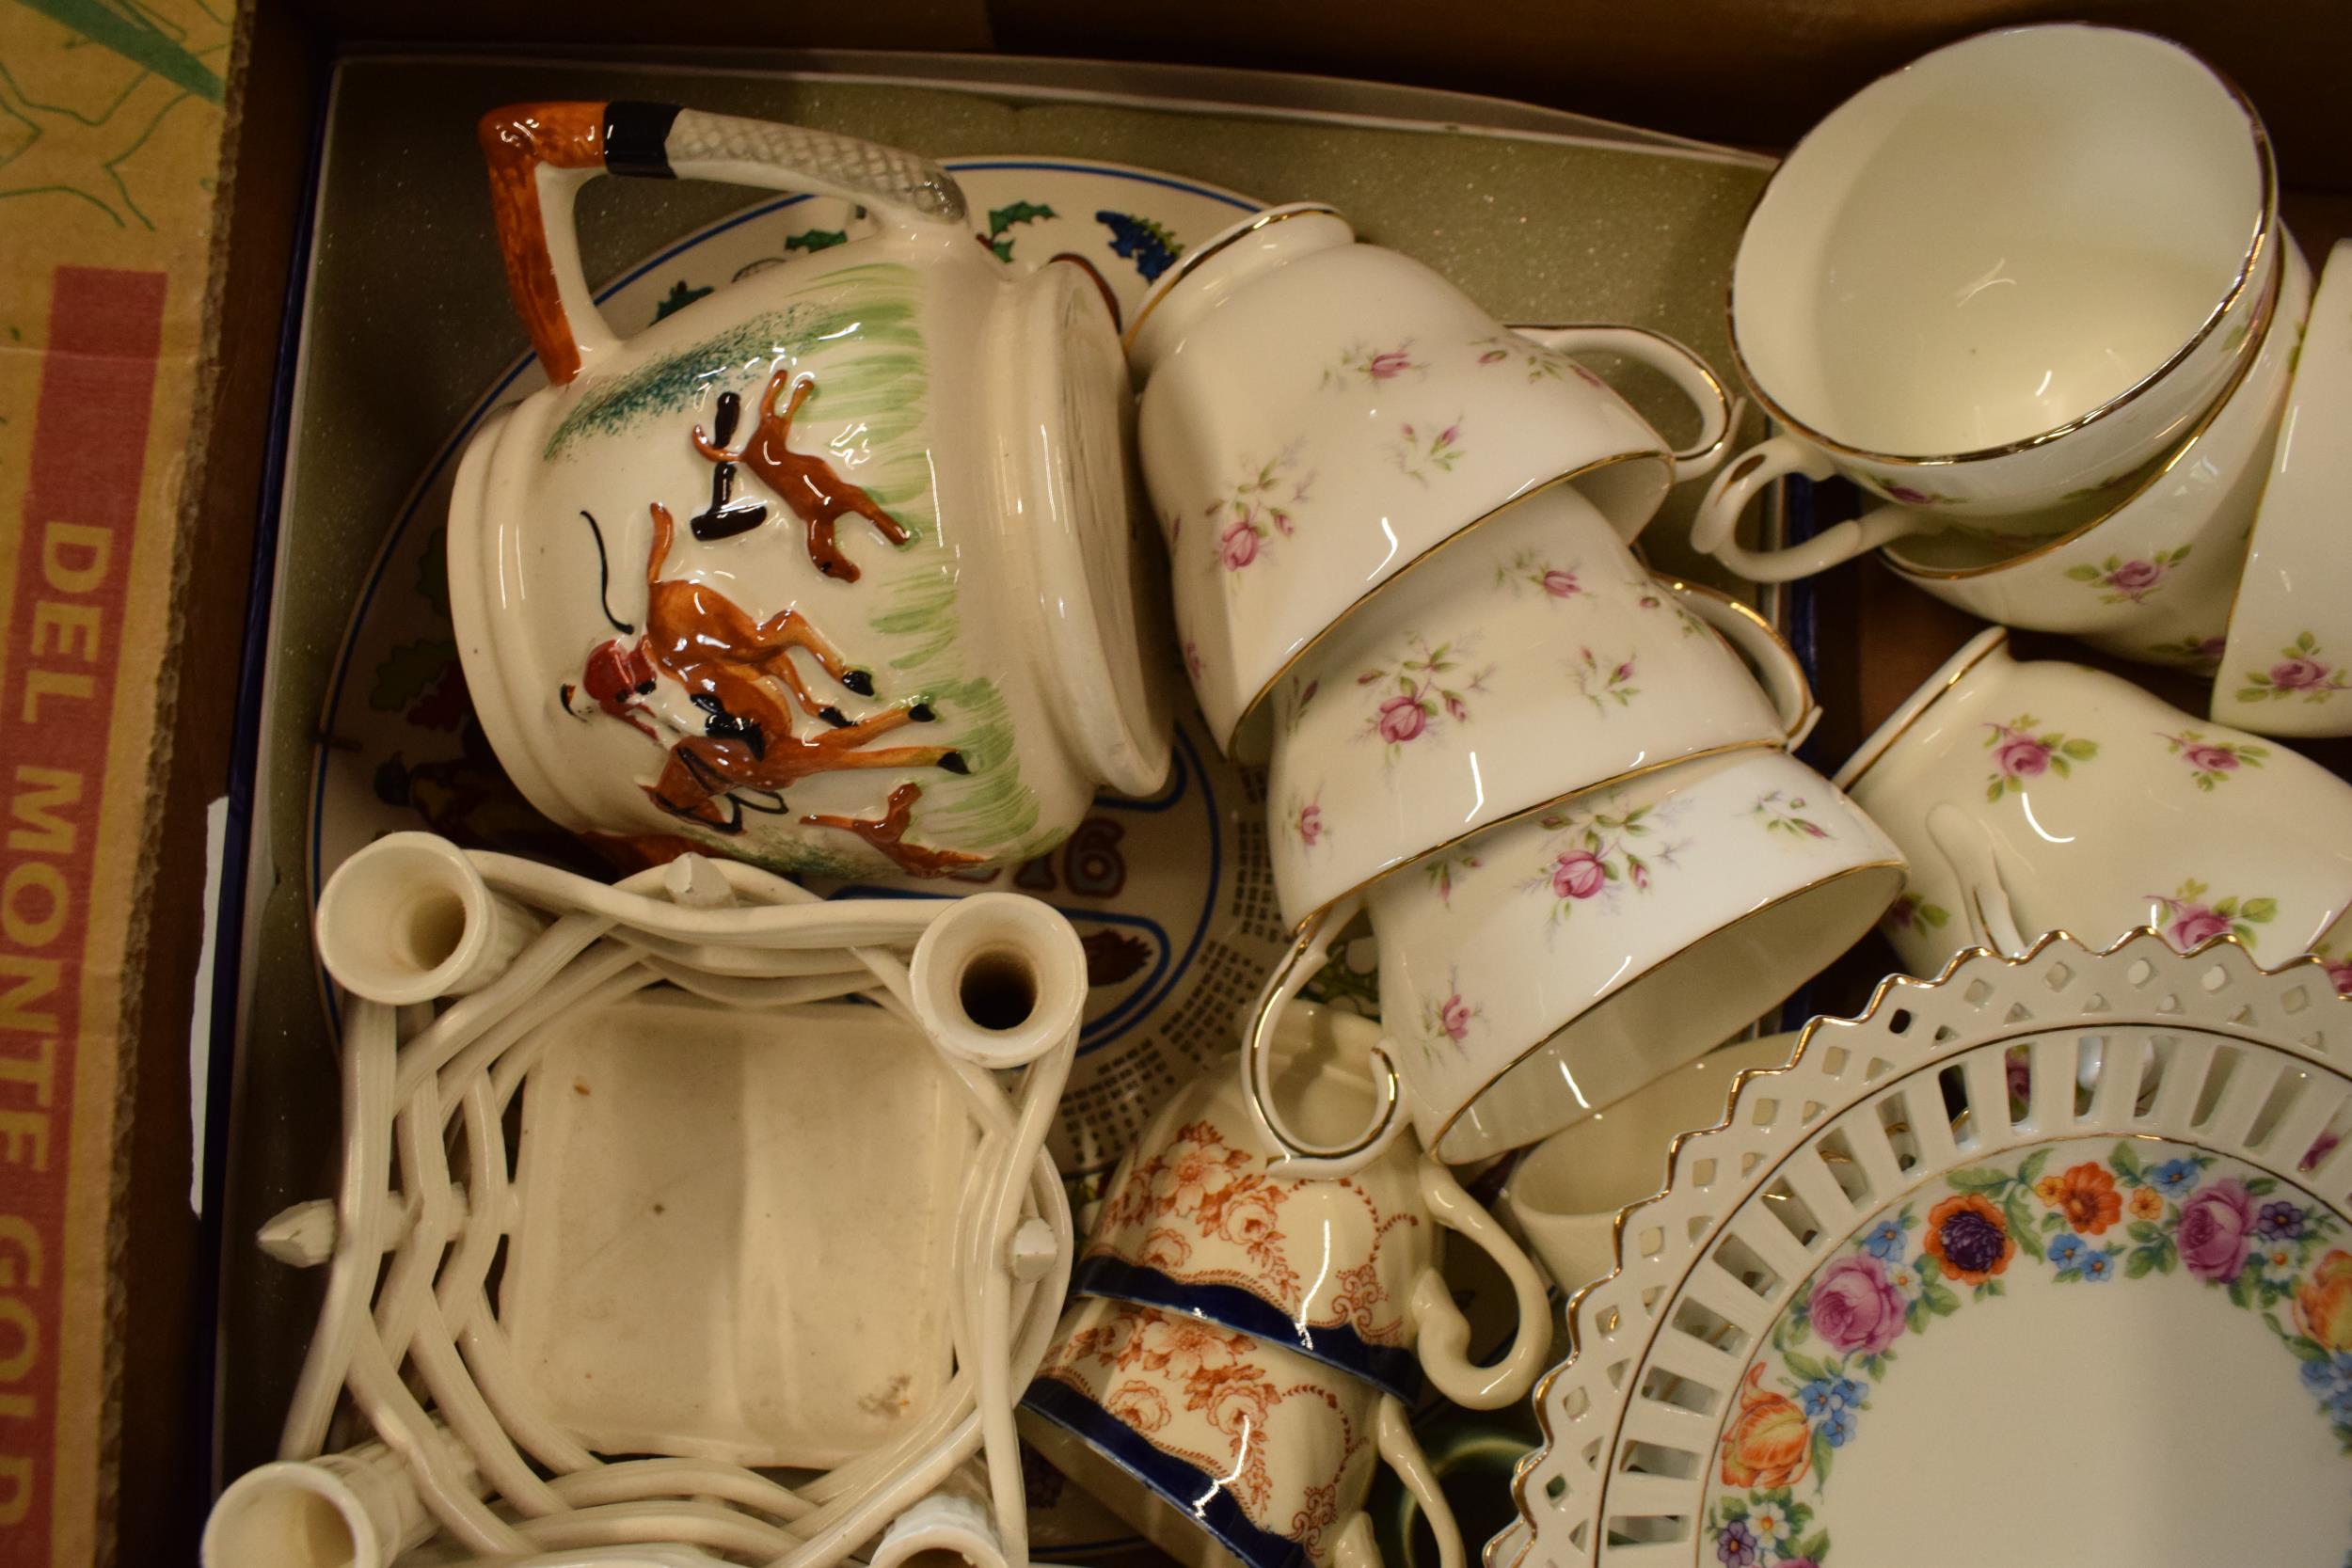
[[736, 672], [877, 496]]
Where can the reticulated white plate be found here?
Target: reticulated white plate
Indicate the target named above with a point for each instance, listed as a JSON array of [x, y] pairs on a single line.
[[2046, 1262]]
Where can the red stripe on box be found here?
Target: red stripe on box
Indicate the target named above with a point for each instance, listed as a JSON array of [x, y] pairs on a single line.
[[64, 629]]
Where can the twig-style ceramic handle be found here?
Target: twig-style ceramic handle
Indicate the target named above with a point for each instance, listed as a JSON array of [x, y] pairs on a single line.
[[540, 153], [1443, 1333], [1300, 1158], [1714, 529], [1671, 359], [1752, 637]]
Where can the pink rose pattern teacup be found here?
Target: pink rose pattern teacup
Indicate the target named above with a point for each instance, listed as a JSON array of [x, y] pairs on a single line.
[[2097, 808]]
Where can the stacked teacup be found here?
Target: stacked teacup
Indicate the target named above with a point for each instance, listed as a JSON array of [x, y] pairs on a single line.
[[1246, 1341], [2032, 295], [1559, 786]]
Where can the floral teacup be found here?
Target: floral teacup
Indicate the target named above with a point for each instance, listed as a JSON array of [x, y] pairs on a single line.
[[1999, 280], [1199, 1219], [1571, 956], [2152, 574], [2046, 797], [1220, 1450], [1523, 663], [1318, 414]]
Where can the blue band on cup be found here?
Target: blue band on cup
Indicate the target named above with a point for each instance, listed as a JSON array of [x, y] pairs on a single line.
[[1181, 1486], [1390, 1368]]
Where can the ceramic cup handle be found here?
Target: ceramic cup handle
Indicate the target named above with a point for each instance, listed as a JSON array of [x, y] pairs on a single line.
[[1967, 850], [1299, 1157], [1753, 640], [1393, 1430], [1718, 521], [1671, 359], [1442, 1334], [539, 154]]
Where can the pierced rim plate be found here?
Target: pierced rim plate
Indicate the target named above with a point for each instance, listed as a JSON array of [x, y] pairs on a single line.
[[2046, 1261]]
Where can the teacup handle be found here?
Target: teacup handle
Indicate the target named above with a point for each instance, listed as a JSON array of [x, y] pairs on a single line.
[[1671, 359], [540, 154], [1392, 1433], [1761, 465], [1753, 638], [1442, 1334], [1967, 848], [1299, 1157]]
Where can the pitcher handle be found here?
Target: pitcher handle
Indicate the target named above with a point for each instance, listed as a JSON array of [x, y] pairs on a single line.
[[1440, 1330], [1299, 1157], [1713, 531], [1767, 653], [1718, 411], [540, 154]]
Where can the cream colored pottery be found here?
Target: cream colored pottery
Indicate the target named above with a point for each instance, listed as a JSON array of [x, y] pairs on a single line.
[[1564, 1193], [1201, 1218], [2006, 276], [1574, 954], [2046, 797], [1530, 659], [1222, 1450], [2285, 669], [829, 570], [1319, 414], [2149, 577]]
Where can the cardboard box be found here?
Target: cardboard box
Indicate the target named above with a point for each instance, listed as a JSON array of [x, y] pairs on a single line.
[[155, 168]]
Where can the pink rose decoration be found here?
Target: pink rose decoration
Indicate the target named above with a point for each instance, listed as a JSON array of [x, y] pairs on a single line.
[[1237, 547], [1310, 823], [2214, 1233], [2022, 756], [1384, 367], [1854, 1308], [2213, 759], [1454, 1017], [2135, 575], [1401, 719], [1193, 663], [2196, 924], [2340, 971], [2294, 675], [1578, 874], [1492, 354], [1560, 584], [1908, 497]]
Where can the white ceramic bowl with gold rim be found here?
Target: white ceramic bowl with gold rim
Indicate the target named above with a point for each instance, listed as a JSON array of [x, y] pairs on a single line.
[[2047, 797], [1577, 953], [1317, 415], [1530, 659], [2003, 276], [2150, 576], [2287, 665]]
